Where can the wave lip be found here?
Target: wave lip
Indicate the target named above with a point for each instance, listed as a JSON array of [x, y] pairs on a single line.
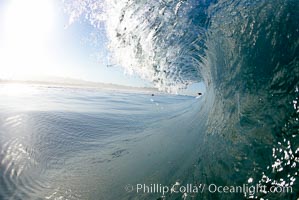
[[245, 51]]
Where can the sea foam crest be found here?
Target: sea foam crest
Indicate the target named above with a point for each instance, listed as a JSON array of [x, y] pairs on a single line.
[[161, 41]]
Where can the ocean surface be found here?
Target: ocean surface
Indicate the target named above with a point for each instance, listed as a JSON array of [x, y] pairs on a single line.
[[66, 143], [76, 143], [72, 143]]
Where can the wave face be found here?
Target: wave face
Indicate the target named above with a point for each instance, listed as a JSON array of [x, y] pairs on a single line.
[[246, 52]]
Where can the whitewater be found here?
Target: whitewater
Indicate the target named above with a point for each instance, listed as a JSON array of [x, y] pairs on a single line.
[[86, 144]]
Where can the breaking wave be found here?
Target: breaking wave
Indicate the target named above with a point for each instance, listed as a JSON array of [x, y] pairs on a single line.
[[246, 53]]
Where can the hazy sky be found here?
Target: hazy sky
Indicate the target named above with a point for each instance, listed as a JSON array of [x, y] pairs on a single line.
[[36, 41]]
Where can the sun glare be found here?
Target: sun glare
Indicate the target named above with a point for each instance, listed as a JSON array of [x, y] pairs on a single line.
[[16, 89], [26, 29]]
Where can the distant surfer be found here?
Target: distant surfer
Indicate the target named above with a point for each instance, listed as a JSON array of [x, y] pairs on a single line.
[[153, 95], [198, 95]]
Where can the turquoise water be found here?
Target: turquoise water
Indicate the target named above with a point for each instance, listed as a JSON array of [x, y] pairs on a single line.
[[63, 143], [67, 143]]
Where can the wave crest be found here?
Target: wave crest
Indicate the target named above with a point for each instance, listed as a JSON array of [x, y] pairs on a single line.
[[161, 41]]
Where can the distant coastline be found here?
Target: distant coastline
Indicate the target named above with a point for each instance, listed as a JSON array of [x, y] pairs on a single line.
[[80, 84]]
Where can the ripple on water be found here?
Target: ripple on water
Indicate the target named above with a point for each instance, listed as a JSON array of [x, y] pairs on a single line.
[[19, 171], [61, 194]]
